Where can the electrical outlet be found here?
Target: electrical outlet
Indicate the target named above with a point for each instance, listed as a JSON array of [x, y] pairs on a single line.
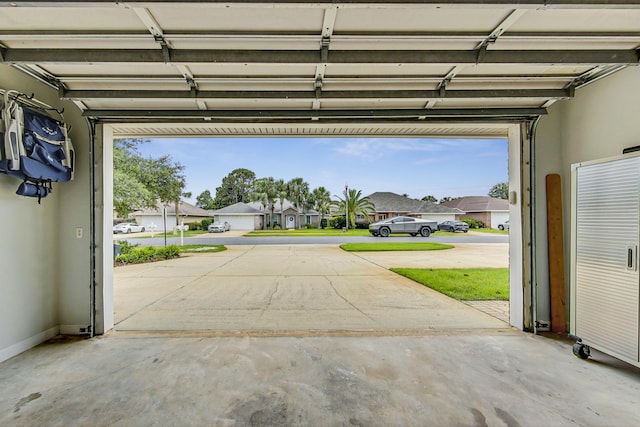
[[79, 233]]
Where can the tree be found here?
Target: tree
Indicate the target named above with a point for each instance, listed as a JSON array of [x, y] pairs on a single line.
[[162, 178], [500, 191], [321, 201], [355, 205], [281, 189], [297, 191], [205, 201], [264, 191], [445, 199], [429, 198], [236, 187], [129, 194]]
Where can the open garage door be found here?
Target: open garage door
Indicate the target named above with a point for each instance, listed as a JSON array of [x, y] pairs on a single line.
[[395, 68]]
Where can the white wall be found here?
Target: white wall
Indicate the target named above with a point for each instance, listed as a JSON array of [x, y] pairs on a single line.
[[45, 268], [239, 222], [599, 122]]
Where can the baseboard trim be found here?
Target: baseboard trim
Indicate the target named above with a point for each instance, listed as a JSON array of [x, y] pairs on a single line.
[[73, 330], [24, 345]]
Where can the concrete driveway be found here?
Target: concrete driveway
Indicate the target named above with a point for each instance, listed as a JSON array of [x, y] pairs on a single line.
[[426, 377], [296, 289]]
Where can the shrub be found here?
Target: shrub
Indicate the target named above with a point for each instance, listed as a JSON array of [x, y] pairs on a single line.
[[205, 223], [473, 223], [195, 226], [337, 222], [362, 224], [323, 223], [138, 254], [309, 226]]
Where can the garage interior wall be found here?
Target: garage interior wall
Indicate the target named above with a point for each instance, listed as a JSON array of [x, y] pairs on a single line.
[[600, 122], [45, 268]]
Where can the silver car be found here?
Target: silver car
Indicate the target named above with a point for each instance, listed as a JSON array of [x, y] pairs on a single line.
[[403, 224]]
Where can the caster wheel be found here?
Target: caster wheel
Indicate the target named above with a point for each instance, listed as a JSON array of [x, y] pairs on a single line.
[[581, 351]]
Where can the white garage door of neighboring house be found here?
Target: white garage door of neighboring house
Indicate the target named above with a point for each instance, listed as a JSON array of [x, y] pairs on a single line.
[[239, 222], [498, 218]]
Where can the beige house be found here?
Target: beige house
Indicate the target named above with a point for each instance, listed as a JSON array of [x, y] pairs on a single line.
[[251, 216], [391, 204], [153, 219], [489, 210]]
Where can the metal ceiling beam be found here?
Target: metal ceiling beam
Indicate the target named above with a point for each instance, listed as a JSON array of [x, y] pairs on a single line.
[[331, 94], [310, 114], [555, 4], [364, 37], [98, 56]]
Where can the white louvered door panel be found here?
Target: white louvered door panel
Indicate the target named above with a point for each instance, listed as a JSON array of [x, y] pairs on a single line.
[[607, 278]]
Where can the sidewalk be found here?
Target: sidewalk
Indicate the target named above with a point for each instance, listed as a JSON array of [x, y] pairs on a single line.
[[497, 309]]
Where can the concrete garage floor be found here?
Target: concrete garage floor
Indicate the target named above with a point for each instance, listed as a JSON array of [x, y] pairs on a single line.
[[293, 289], [463, 378], [460, 369]]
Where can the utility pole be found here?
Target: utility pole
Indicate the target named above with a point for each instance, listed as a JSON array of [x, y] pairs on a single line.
[[346, 207]]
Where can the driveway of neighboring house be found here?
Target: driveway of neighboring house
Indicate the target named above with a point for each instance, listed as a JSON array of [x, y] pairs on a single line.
[[296, 289]]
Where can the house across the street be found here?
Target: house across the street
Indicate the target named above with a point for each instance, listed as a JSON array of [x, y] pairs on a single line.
[[251, 216], [391, 204], [489, 210], [152, 219]]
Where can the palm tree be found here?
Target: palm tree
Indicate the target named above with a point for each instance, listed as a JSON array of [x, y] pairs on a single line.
[[355, 205], [322, 202], [297, 190], [281, 190], [262, 191]]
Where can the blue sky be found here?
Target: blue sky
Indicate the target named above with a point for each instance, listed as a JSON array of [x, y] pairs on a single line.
[[417, 167]]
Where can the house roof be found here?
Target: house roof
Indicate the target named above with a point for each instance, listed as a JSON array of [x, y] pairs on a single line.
[[239, 208], [478, 204], [392, 202], [184, 209]]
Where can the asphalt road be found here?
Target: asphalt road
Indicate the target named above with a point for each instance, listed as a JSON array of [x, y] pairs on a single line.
[[332, 240]]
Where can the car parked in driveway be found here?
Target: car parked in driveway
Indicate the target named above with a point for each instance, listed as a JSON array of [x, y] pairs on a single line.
[[127, 227], [504, 225], [219, 227], [403, 224], [453, 226]]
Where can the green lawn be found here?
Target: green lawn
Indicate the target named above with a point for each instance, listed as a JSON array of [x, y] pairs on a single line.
[[202, 248], [397, 246], [465, 284], [474, 230], [308, 232], [490, 231], [189, 233]]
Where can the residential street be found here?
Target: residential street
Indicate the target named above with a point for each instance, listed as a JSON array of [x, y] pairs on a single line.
[[236, 238]]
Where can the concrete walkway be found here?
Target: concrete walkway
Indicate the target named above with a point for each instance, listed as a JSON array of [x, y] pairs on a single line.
[[296, 289]]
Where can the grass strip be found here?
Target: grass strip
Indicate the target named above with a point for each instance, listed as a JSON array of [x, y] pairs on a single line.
[[464, 284], [200, 249], [308, 232], [397, 246]]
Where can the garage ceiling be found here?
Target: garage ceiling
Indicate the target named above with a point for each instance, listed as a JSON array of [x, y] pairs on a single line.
[[291, 66]]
